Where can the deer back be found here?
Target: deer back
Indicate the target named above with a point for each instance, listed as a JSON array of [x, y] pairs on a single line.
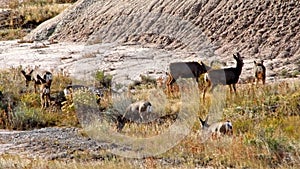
[[187, 69]]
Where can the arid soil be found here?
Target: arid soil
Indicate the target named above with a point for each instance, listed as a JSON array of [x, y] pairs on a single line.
[[50, 143]]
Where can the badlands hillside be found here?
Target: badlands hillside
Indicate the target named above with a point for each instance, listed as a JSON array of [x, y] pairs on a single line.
[[267, 30], [143, 37]]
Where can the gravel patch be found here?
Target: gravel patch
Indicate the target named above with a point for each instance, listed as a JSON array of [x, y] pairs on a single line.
[[51, 143]]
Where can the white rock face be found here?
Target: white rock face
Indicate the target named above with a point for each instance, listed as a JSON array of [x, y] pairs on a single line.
[[126, 62]]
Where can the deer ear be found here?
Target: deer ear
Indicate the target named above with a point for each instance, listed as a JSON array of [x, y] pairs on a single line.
[[202, 122], [255, 62], [23, 72], [234, 56], [206, 119]]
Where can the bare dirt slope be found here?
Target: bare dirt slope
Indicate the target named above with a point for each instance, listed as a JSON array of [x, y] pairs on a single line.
[[258, 29]]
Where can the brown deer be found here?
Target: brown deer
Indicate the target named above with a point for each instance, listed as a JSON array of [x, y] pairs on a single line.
[[185, 70], [260, 72], [227, 76], [38, 77], [45, 95]]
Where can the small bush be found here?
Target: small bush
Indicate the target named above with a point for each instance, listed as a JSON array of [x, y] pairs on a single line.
[[104, 80], [28, 118]]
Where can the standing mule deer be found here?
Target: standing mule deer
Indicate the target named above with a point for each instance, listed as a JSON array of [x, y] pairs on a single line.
[[227, 76], [45, 95], [260, 71], [216, 129], [185, 70], [38, 77], [43, 79]]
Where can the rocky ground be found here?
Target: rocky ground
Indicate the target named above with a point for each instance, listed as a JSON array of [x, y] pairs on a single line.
[[50, 143], [67, 144], [126, 62]]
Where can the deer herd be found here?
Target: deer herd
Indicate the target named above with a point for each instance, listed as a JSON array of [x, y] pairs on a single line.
[[212, 78]]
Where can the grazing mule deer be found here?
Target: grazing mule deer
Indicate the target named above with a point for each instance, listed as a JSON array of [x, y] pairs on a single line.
[[38, 77], [260, 71], [216, 129], [227, 76], [185, 70], [136, 108], [139, 107]]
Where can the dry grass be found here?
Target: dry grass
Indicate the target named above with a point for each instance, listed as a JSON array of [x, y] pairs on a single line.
[[265, 119], [28, 14]]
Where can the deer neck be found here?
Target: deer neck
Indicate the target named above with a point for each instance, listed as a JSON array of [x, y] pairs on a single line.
[[239, 67]]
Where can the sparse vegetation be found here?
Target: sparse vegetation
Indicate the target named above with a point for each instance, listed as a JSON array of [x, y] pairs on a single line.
[[265, 120], [265, 123], [28, 14], [104, 80]]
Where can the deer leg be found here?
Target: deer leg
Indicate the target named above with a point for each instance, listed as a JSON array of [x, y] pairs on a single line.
[[234, 88], [48, 100], [35, 87], [230, 89], [257, 80], [140, 113], [212, 88], [169, 89], [205, 89], [42, 100], [170, 86]]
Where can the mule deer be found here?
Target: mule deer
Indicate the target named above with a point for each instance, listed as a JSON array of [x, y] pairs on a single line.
[[134, 109], [45, 95], [38, 77], [139, 107], [260, 71], [186, 70], [216, 129], [227, 76]]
